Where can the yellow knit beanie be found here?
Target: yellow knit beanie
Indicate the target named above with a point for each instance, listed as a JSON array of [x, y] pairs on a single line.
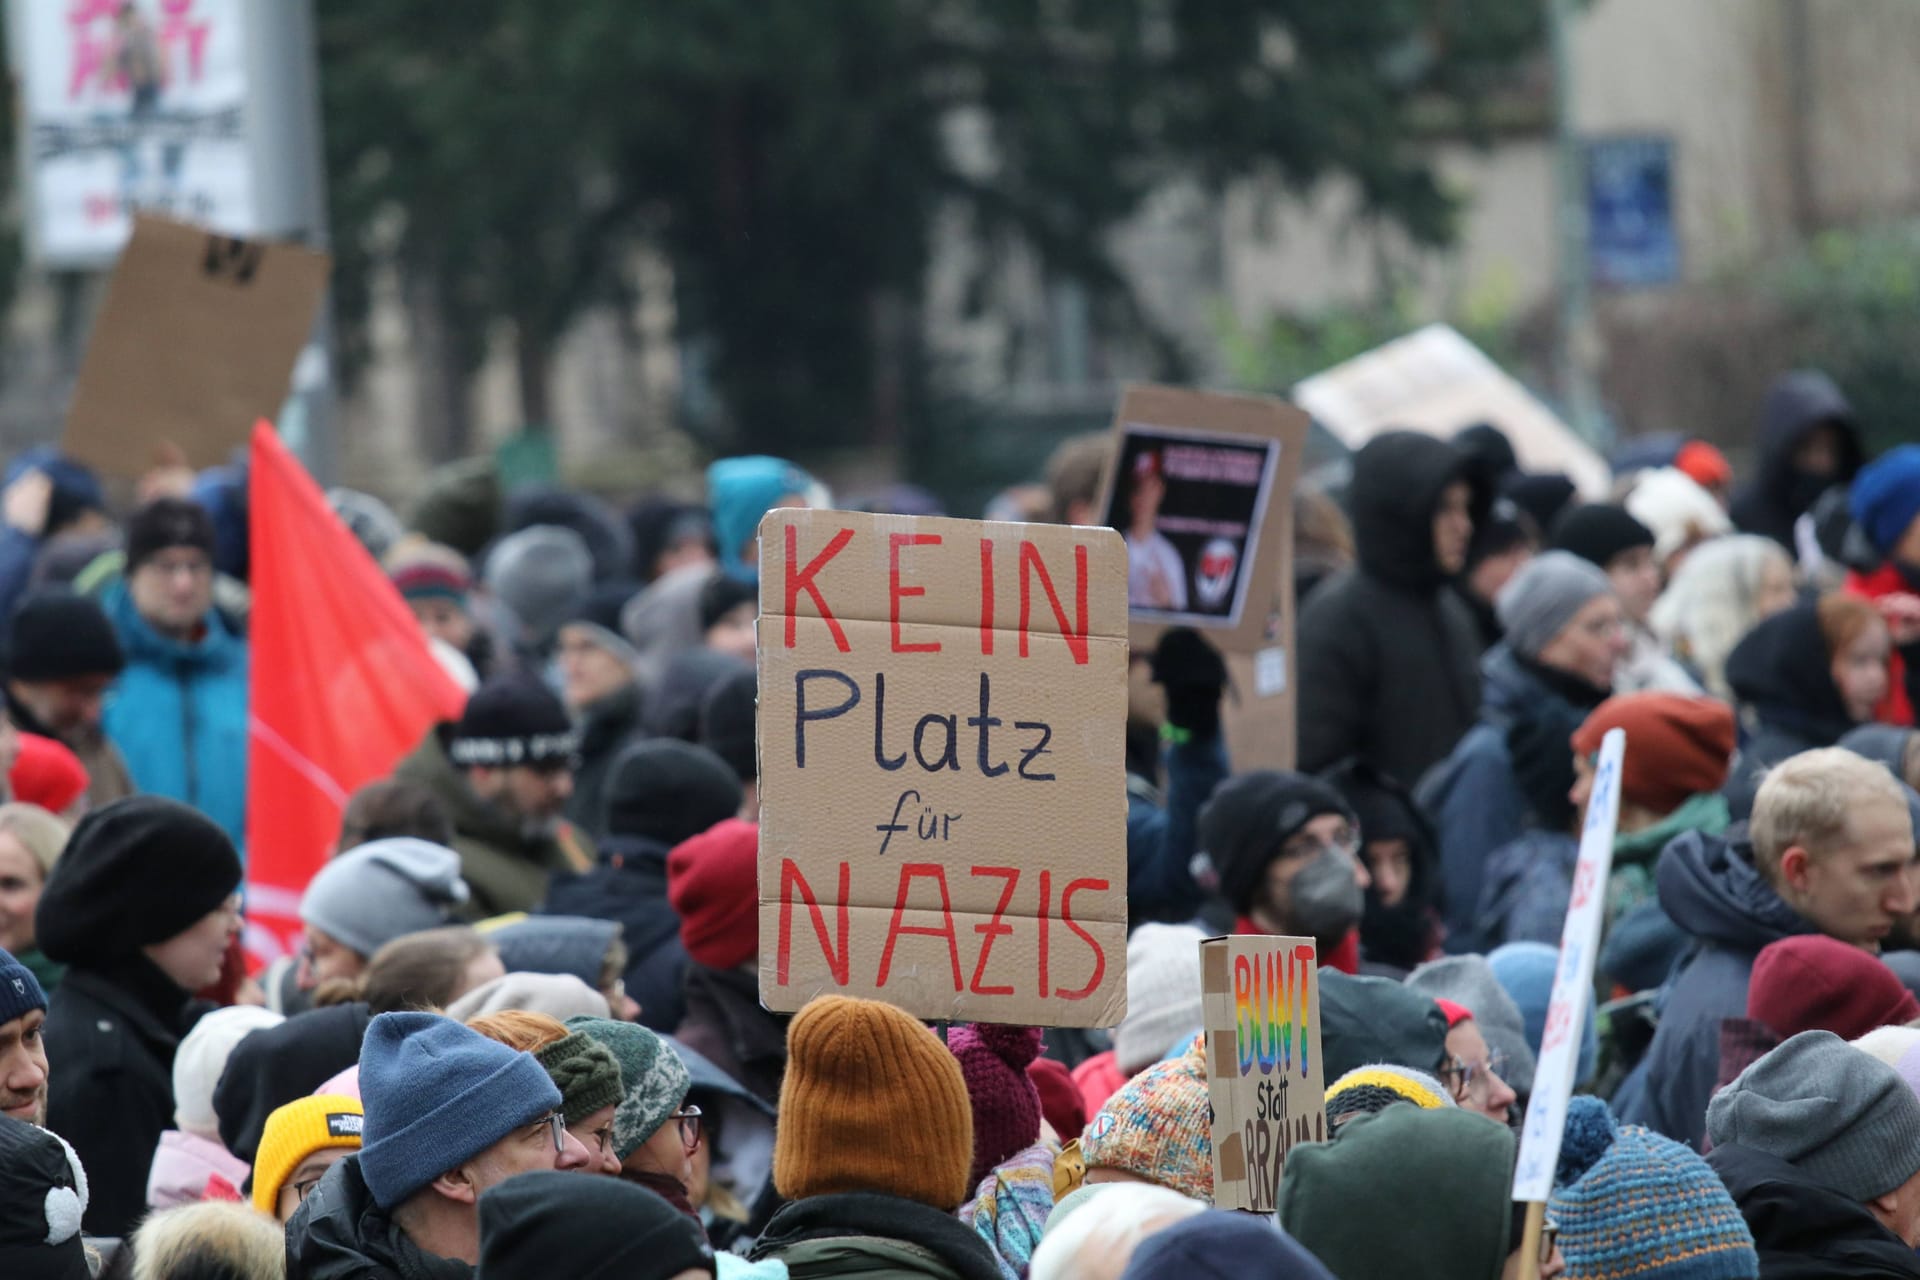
[[872, 1101], [296, 1131]]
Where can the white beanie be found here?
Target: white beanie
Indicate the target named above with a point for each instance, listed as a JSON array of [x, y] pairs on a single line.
[[1163, 994], [201, 1058], [1672, 504]]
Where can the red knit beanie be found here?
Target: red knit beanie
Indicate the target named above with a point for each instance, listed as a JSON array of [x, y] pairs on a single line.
[[1060, 1100], [1677, 746], [46, 773], [1816, 983], [1006, 1107], [712, 884]]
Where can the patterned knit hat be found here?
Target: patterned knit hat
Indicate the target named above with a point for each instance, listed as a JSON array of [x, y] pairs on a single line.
[[295, 1132], [655, 1080], [872, 1101], [587, 1073], [1006, 1106], [1365, 1090], [1632, 1203], [1157, 1128]]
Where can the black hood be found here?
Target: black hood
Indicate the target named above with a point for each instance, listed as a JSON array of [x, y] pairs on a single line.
[[1783, 672], [1397, 481], [1802, 1229], [1400, 935], [1778, 494], [338, 1233]]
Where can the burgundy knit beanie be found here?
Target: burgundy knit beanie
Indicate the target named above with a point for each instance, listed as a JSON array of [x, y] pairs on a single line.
[[1006, 1107], [1815, 983]]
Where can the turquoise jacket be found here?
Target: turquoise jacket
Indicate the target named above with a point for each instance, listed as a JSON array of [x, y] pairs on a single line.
[[179, 714]]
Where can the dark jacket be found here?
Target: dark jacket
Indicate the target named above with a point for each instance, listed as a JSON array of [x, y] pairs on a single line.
[[506, 868], [1394, 938], [1711, 889], [1802, 1230], [1161, 832], [1387, 653], [1778, 495], [111, 1035], [338, 1233], [629, 885], [607, 728], [1781, 677], [726, 1024], [877, 1236], [1487, 794], [107, 776]]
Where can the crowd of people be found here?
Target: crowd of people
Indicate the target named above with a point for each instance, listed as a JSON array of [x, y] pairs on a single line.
[[521, 1035]]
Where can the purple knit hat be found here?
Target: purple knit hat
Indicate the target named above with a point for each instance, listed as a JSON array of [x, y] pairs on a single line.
[[1006, 1106]]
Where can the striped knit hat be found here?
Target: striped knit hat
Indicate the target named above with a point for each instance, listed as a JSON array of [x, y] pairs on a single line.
[[1157, 1127], [1632, 1203], [1365, 1090]]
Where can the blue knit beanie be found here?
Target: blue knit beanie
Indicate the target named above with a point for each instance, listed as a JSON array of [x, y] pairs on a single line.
[[1526, 971], [20, 992], [436, 1095], [1629, 1202], [739, 492], [1886, 496]]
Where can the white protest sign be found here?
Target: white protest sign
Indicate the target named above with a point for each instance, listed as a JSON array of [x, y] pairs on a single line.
[[1572, 982]]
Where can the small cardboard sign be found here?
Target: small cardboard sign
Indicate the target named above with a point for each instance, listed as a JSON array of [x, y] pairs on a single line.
[[195, 342], [1260, 1003], [1546, 1120], [942, 772]]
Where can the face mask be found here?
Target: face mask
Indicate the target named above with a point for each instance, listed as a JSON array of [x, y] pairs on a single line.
[[1326, 896]]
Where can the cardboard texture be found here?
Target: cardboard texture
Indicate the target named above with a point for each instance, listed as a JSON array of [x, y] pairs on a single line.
[[1434, 380], [942, 773], [1260, 1004], [195, 342]]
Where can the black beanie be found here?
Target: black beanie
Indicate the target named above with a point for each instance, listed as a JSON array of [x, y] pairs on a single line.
[[669, 791], [1598, 532], [135, 873], [547, 1223], [512, 720], [58, 635], [167, 522], [727, 723], [276, 1065], [40, 1205], [723, 594], [1249, 817], [1542, 495]]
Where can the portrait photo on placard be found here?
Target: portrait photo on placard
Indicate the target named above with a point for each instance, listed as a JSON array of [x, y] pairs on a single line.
[[1189, 505]]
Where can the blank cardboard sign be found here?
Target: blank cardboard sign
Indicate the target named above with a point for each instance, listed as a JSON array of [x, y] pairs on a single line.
[[1260, 1003], [194, 344], [942, 773]]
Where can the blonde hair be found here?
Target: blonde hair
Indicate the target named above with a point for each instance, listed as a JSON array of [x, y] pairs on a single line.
[[519, 1029], [1712, 602], [212, 1237], [39, 833], [1806, 800]]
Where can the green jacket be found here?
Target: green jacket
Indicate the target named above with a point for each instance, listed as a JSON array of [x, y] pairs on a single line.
[[506, 869], [875, 1237]]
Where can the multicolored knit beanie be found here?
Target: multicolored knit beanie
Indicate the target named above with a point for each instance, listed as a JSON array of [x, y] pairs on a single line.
[[1375, 1087], [1157, 1127], [1632, 1203]]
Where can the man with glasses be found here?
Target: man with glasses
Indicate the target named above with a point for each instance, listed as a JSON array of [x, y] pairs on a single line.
[[449, 1114], [1282, 851], [179, 714], [1475, 1074]]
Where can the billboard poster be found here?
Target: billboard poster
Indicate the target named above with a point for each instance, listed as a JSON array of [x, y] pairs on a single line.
[[1631, 238], [131, 105]]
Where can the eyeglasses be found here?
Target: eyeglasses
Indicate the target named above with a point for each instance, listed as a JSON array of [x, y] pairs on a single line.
[[600, 1140], [1468, 1079], [1304, 846], [302, 1188], [689, 1118], [556, 1122]]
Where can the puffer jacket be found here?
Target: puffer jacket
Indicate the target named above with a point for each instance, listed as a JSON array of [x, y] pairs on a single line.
[[339, 1233]]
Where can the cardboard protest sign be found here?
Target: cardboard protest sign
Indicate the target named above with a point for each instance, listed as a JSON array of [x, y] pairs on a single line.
[[1434, 380], [1260, 1004], [1572, 982], [195, 342], [942, 781]]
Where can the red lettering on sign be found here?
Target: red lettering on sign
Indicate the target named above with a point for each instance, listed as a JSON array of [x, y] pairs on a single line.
[[1099, 956], [791, 879], [1046, 906], [896, 590], [994, 929], [934, 871], [986, 596], [1031, 564], [799, 580]]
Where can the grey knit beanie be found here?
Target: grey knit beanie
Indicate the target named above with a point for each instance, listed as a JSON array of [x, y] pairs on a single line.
[[1541, 599], [1834, 1112], [383, 890], [541, 574], [1469, 981], [1163, 994]]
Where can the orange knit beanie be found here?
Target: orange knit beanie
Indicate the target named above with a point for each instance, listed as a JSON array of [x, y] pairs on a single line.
[[872, 1101]]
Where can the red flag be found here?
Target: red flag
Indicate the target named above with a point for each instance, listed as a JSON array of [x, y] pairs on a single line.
[[343, 686]]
